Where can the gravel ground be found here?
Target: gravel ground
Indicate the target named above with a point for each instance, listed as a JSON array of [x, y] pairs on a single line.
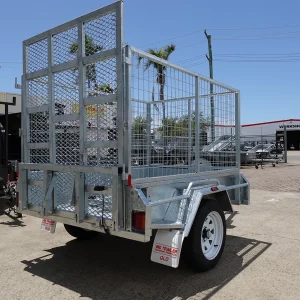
[[282, 178], [260, 261]]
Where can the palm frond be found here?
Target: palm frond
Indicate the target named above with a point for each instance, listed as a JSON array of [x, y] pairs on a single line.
[[139, 58], [148, 64], [168, 50]]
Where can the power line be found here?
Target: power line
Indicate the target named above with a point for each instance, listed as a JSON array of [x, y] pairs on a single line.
[[258, 57], [173, 38], [254, 54], [10, 62], [253, 28], [230, 29], [191, 58], [255, 35], [197, 64], [252, 39], [258, 60]]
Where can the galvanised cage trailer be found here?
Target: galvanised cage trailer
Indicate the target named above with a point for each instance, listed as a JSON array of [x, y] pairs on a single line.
[[111, 138]]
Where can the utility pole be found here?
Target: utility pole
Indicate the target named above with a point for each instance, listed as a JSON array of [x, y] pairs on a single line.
[[211, 75]]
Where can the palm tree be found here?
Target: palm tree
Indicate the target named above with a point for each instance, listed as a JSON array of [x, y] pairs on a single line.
[[163, 53], [90, 49]]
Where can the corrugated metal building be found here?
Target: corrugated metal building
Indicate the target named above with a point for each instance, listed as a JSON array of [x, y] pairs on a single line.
[[8, 97]]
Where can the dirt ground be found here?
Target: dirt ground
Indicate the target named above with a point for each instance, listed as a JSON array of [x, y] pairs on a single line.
[[282, 178], [261, 258]]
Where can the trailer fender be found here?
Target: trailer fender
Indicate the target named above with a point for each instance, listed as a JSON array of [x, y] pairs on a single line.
[[198, 197], [167, 244]]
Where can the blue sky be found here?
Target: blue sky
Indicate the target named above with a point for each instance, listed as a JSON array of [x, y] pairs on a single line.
[[263, 63]]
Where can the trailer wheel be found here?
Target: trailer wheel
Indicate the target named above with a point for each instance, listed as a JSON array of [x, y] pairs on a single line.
[[206, 240], [80, 233]]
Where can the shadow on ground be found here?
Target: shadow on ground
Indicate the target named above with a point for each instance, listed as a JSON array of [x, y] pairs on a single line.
[[112, 268], [12, 221]]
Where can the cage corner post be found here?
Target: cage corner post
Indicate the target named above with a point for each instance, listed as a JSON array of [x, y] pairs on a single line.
[[237, 144]]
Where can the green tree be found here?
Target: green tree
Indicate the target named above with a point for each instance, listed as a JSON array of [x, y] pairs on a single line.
[[90, 48], [179, 126], [139, 127]]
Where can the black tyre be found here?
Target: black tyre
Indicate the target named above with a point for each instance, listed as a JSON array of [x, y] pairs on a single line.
[[80, 233], [206, 241]]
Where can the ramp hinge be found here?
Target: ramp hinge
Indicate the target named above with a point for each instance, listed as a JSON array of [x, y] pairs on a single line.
[[21, 131]]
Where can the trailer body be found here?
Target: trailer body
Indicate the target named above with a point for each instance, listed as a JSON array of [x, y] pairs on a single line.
[[113, 147]]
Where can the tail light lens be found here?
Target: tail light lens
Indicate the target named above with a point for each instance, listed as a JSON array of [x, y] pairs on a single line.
[[138, 220]]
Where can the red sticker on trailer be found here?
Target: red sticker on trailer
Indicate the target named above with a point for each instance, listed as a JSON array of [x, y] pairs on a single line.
[[48, 226], [166, 250], [48, 222]]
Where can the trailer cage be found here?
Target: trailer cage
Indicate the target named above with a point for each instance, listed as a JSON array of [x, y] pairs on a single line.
[[113, 147]]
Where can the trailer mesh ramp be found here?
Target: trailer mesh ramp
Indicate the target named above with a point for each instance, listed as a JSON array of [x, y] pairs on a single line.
[[71, 112]]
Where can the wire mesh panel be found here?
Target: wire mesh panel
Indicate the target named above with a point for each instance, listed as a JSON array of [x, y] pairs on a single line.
[[64, 192], [72, 87], [218, 108], [37, 92], [66, 92], [37, 56], [175, 114], [65, 46], [99, 205], [67, 143], [100, 34]]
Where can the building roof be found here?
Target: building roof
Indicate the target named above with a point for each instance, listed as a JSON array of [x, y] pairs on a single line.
[[272, 122]]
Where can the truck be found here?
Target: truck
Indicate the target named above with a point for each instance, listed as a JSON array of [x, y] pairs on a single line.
[[88, 103]]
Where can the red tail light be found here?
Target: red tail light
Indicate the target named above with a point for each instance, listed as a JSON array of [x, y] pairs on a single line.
[[129, 180], [214, 188], [138, 220]]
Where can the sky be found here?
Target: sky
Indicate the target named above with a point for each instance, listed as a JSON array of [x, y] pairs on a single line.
[[255, 43]]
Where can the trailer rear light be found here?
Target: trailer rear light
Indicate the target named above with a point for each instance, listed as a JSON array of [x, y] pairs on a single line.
[[214, 188], [129, 180], [138, 220]]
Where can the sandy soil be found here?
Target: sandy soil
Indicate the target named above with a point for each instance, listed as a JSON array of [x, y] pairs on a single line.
[[282, 178]]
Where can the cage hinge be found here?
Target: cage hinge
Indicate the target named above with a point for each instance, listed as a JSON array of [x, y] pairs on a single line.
[[21, 132]]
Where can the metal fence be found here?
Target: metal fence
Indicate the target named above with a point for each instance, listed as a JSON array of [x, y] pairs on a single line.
[[176, 113]]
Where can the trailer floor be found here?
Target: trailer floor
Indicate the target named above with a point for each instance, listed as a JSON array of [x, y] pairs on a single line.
[[261, 260]]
